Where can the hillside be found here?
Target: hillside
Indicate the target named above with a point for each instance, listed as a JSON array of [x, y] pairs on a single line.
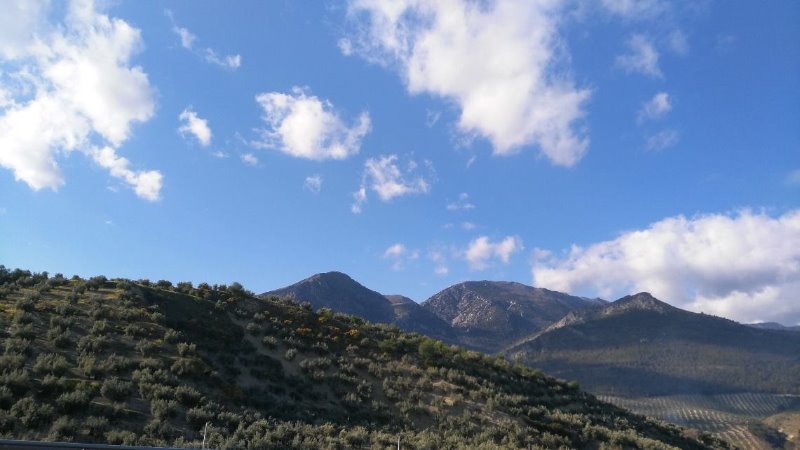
[[489, 315], [136, 362], [640, 346], [411, 317]]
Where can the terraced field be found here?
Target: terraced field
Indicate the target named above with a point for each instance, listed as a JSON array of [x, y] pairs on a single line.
[[729, 416]]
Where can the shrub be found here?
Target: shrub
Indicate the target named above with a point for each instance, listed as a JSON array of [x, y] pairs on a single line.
[[16, 345], [60, 338], [187, 367], [117, 364], [64, 428], [172, 336], [92, 344], [145, 348], [17, 380], [270, 342], [50, 363], [31, 413], [290, 354], [6, 397], [22, 331], [75, 400], [115, 389], [198, 417], [23, 318], [121, 437], [27, 303], [96, 426], [89, 366], [185, 349], [188, 395], [162, 409], [11, 361]]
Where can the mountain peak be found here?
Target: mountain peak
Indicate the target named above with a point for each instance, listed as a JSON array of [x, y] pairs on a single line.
[[641, 301]]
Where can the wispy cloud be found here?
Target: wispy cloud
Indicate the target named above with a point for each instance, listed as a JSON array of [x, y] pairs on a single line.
[[386, 177], [662, 140], [655, 108], [462, 204], [313, 184], [188, 39], [642, 57]]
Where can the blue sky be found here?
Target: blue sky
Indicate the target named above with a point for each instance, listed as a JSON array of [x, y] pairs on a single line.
[[597, 148]]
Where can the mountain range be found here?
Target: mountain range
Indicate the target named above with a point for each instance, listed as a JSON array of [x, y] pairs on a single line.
[[637, 345]]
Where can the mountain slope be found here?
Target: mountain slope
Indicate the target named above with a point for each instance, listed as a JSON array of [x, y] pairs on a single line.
[[130, 362], [639, 345], [339, 292], [411, 317], [489, 315]]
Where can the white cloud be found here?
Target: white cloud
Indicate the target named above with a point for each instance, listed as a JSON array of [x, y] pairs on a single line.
[[462, 204], [501, 63], [386, 178], [249, 159], [71, 88], [656, 107], [468, 226], [438, 257], [359, 197], [146, 184], [642, 57], [635, 9], [194, 125], [744, 266], [188, 39], [481, 251], [313, 184], [400, 255], [662, 140], [303, 126]]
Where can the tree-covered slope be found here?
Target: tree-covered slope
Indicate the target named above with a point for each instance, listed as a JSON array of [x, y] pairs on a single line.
[[134, 362]]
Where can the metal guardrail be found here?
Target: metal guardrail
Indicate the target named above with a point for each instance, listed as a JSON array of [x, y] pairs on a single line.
[[6, 444]]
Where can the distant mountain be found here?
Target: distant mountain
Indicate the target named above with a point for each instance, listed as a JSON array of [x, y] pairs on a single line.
[[774, 326], [339, 292], [640, 345], [410, 316], [488, 315]]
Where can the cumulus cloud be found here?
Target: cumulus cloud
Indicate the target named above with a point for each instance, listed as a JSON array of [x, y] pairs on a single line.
[[642, 57], [188, 39], [462, 204], [400, 255], [501, 63], [70, 87], [303, 126], [193, 125], [313, 184], [388, 179], [656, 107], [662, 140], [745, 266], [482, 251]]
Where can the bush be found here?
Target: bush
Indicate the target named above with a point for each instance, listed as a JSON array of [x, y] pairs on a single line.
[[163, 409], [11, 361], [270, 342], [121, 437], [20, 331], [74, 401], [51, 363], [115, 389], [187, 367], [185, 349], [31, 413], [290, 354], [188, 395], [63, 429], [96, 426], [92, 344], [18, 381], [27, 303], [145, 348]]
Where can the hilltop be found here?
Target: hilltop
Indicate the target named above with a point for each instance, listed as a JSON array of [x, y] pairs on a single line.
[[136, 362]]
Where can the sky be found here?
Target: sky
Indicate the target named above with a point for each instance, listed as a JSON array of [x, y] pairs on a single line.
[[599, 148]]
